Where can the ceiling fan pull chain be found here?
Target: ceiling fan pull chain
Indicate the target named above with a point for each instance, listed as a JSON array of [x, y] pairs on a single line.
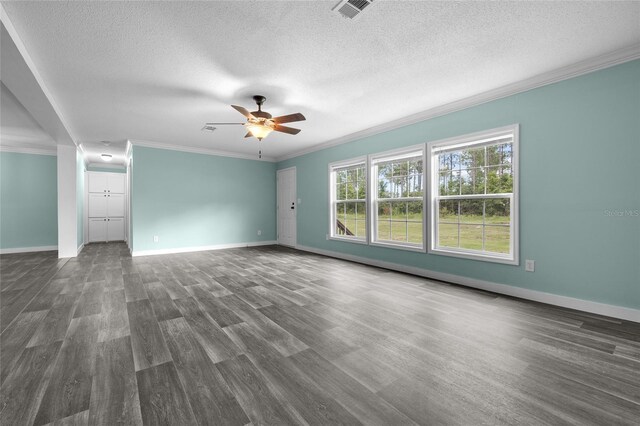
[[259, 148]]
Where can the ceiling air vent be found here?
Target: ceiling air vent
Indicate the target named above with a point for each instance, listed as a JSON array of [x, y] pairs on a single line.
[[351, 8]]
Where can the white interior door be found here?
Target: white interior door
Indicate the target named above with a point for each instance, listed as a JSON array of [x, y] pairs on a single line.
[[287, 207], [115, 229], [97, 182], [98, 205], [97, 229], [115, 205], [115, 183]]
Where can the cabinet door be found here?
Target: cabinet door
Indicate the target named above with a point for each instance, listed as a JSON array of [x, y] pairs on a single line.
[[115, 229], [98, 205], [97, 229], [115, 205], [97, 182], [115, 183]]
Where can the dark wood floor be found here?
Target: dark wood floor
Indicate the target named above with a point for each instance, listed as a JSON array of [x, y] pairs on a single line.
[[275, 336]]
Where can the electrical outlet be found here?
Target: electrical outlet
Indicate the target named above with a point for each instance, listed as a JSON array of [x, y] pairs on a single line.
[[259, 231], [529, 265], [156, 238]]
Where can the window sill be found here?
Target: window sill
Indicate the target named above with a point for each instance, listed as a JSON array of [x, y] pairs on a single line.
[[416, 248], [474, 256], [348, 240]]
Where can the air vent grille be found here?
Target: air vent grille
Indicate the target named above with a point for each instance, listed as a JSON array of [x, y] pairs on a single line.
[[359, 4], [351, 8], [348, 11]]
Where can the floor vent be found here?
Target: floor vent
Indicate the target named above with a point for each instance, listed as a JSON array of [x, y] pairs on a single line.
[[351, 8]]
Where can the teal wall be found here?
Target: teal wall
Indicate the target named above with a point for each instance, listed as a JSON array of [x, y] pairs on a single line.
[[106, 169], [80, 196], [579, 165], [28, 200], [194, 200]]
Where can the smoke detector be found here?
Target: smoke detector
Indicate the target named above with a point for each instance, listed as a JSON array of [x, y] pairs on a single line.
[[351, 8]]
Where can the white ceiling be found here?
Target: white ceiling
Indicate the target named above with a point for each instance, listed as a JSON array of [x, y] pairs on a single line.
[[157, 71], [18, 127]]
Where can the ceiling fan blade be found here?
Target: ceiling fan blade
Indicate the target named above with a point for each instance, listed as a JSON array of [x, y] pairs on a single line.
[[285, 129], [289, 118], [243, 111], [248, 135], [219, 124]]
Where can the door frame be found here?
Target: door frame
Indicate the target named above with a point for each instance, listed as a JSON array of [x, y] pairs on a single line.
[[295, 192]]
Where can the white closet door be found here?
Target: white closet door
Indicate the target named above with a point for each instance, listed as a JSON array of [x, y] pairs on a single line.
[[115, 205], [98, 182], [98, 205], [115, 183], [97, 230], [115, 229]]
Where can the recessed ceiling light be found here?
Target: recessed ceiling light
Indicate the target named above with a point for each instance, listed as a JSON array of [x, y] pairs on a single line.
[[106, 157]]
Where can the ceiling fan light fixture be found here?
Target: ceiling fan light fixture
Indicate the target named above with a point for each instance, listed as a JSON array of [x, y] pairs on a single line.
[[106, 157], [259, 130]]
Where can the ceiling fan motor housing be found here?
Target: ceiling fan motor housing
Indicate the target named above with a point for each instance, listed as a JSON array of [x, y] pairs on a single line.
[[259, 113]]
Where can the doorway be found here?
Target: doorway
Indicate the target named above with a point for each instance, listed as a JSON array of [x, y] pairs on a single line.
[[287, 206]]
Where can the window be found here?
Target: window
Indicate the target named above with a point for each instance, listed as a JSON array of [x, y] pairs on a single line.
[[473, 196], [397, 192], [348, 192]]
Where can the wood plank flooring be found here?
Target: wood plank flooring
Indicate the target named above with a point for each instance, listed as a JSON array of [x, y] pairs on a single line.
[[273, 336]]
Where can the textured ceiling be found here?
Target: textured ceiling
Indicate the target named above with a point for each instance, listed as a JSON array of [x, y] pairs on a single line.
[[157, 71]]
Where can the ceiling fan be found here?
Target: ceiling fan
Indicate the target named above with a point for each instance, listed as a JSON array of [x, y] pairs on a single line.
[[260, 123]]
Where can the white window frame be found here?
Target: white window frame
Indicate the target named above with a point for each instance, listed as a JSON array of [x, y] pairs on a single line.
[[396, 154], [433, 195], [332, 200]]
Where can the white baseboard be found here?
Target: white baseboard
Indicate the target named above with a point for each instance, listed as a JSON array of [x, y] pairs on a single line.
[[135, 253], [80, 247], [27, 249], [620, 312]]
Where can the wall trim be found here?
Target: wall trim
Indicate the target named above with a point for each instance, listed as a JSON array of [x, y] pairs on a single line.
[[27, 249], [135, 253], [30, 150], [80, 247], [597, 63], [205, 151], [628, 314]]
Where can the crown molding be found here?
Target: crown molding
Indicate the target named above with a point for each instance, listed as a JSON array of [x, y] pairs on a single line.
[[30, 150], [4, 17], [83, 153], [194, 150], [127, 151], [597, 63]]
